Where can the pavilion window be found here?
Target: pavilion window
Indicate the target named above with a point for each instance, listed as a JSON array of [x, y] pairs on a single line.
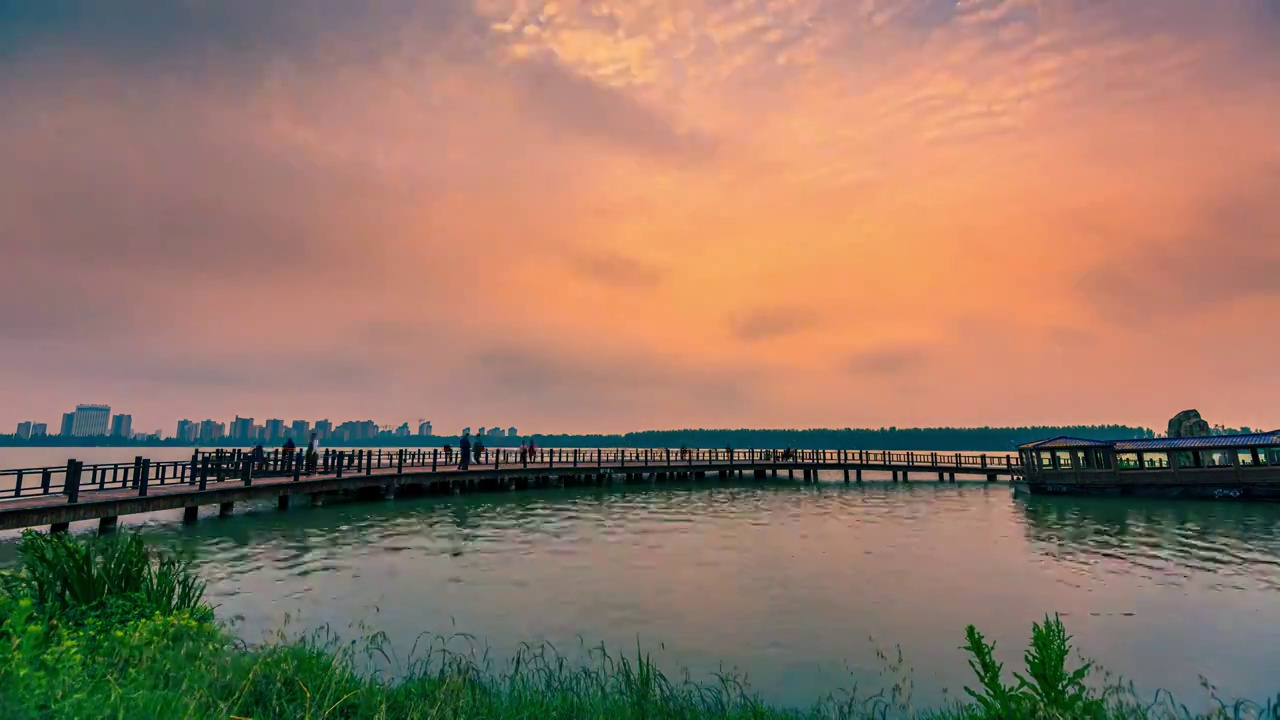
[[1216, 458], [1185, 459], [1127, 461]]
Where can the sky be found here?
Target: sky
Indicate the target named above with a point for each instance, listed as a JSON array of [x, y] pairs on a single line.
[[575, 216]]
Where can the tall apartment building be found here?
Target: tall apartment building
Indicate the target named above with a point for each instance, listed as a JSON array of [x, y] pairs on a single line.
[[424, 429], [273, 430], [39, 429], [511, 432], [482, 432], [122, 426], [24, 430], [186, 431], [242, 429], [211, 431], [300, 430], [68, 422], [324, 429], [91, 420]]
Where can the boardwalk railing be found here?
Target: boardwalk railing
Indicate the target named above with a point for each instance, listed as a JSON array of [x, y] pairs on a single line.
[[237, 465]]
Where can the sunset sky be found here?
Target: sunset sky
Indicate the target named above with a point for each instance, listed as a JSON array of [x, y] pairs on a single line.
[[617, 215]]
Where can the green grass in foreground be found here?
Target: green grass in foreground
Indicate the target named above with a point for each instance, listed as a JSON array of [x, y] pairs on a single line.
[[98, 629]]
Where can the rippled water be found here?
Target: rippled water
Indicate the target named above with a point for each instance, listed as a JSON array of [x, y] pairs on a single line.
[[786, 583]]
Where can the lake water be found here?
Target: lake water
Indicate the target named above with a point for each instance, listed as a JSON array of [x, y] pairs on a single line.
[[789, 584]]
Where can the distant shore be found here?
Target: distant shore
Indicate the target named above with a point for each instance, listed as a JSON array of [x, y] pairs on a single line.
[[928, 439]]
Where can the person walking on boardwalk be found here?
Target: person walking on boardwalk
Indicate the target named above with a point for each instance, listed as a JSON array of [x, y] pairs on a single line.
[[464, 451], [259, 458], [287, 452], [477, 448], [313, 455], [524, 452], [448, 454]]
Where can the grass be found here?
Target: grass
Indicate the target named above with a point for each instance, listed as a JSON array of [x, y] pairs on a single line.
[[112, 629]]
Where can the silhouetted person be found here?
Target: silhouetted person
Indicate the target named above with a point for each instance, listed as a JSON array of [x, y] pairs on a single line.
[[448, 454], [524, 452], [287, 452], [464, 452], [477, 449], [313, 454], [259, 458]]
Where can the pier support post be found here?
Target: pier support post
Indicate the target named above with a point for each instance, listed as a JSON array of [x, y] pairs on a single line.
[[846, 476], [224, 509], [857, 476], [190, 514], [108, 524], [991, 477], [775, 473], [59, 527], [942, 477], [951, 477], [905, 477], [895, 476], [317, 499], [282, 502]]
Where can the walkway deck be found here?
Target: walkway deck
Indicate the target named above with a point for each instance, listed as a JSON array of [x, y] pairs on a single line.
[[32, 497]]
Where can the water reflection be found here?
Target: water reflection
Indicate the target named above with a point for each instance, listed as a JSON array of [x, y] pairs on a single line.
[[1168, 542]]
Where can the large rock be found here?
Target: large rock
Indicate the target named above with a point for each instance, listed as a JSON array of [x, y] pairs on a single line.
[[1188, 424]]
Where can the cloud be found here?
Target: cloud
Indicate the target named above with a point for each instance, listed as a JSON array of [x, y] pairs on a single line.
[[558, 382], [616, 270], [886, 361], [770, 323], [1228, 253], [575, 106]]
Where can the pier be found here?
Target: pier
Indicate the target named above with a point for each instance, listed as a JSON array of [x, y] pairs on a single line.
[[57, 496]]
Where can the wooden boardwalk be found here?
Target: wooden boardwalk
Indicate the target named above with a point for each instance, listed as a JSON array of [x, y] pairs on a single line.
[[57, 496]]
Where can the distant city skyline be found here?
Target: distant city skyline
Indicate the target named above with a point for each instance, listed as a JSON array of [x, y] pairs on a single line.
[[96, 420]]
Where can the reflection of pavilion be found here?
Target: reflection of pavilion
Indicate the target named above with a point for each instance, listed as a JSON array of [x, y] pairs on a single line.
[[1212, 537], [1218, 467]]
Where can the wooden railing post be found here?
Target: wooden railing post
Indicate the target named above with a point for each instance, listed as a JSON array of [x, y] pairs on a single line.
[[17, 487], [71, 486], [400, 462], [143, 477], [338, 461], [435, 455]]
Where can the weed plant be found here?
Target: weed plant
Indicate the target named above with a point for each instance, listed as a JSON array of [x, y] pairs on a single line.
[[108, 629]]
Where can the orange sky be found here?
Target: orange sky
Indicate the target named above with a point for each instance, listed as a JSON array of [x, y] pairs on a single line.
[[582, 216]]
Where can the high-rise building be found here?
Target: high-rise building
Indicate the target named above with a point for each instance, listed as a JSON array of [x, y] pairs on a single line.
[[91, 420], [39, 429], [301, 430], [273, 430], [211, 431], [403, 431], [481, 432], [68, 422], [242, 428], [424, 429], [511, 432], [122, 426], [323, 429], [24, 430], [495, 431], [187, 431]]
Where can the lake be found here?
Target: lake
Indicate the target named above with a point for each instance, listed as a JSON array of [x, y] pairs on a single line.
[[795, 585]]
